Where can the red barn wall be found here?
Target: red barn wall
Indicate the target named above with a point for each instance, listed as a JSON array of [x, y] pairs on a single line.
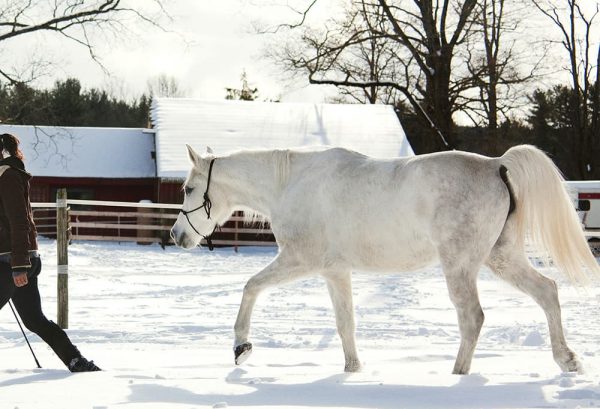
[[170, 192], [43, 189]]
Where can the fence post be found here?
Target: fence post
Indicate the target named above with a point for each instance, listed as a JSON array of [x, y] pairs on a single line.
[[62, 255], [142, 220], [236, 235]]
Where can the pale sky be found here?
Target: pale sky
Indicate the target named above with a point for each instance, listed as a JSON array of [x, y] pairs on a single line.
[[211, 43]]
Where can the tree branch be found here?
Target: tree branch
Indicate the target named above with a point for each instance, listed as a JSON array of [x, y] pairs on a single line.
[[368, 84]]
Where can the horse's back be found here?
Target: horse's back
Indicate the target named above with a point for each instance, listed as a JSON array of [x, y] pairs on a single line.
[[389, 214]]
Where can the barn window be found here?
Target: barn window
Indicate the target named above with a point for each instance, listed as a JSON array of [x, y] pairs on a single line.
[[78, 194]]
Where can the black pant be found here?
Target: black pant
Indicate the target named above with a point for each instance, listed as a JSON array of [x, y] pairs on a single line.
[[27, 302]]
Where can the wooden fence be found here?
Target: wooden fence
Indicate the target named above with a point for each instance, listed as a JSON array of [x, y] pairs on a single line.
[[141, 223]]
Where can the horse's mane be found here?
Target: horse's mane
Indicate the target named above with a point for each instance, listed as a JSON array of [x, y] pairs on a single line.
[[279, 158], [252, 217], [281, 169], [281, 163]]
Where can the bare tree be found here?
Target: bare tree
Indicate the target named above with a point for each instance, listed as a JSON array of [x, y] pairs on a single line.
[[426, 32], [575, 25], [389, 48], [164, 86], [350, 56], [75, 20], [498, 66], [596, 110]]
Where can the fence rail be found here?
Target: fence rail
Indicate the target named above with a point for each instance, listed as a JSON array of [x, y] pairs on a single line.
[[145, 223]]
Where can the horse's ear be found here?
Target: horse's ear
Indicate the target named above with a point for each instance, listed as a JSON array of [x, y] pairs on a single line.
[[194, 157], [209, 150]]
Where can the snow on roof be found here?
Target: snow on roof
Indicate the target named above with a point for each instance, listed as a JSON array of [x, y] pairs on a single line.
[[228, 126], [86, 152]]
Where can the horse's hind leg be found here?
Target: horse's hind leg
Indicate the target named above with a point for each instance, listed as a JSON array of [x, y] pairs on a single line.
[[462, 287], [340, 291], [281, 270], [509, 262]]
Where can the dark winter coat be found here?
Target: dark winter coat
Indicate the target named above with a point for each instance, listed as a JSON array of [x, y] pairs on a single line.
[[18, 236]]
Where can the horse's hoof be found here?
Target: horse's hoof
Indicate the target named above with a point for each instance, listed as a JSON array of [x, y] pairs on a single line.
[[242, 352], [352, 366], [569, 362]]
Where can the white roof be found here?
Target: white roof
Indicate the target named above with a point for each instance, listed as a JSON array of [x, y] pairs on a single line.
[[228, 126], [584, 186], [86, 152]]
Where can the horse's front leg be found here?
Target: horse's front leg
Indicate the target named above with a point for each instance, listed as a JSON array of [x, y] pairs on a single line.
[[280, 271], [340, 291]]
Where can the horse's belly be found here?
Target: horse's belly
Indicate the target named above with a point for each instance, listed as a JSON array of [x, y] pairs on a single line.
[[393, 255]]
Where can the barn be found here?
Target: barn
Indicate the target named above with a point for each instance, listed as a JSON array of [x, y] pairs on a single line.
[[92, 163], [227, 126]]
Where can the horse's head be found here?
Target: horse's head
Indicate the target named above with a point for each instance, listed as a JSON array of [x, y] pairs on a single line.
[[204, 204]]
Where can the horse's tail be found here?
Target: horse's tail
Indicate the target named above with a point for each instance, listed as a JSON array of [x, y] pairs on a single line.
[[545, 212]]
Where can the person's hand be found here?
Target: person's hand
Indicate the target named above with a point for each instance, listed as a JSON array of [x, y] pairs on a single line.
[[21, 279]]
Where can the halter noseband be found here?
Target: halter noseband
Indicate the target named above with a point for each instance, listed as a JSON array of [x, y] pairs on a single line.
[[206, 205]]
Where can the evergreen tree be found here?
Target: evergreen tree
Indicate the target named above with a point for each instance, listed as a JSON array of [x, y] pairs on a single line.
[[67, 104], [245, 93], [555, 108]]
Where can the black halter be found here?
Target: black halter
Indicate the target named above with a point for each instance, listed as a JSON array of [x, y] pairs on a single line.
[[206, 205]]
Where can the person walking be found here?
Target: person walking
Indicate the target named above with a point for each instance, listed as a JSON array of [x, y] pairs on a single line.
[[20, 262]]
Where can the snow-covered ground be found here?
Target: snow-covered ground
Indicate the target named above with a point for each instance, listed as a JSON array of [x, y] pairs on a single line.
[[160, 325]]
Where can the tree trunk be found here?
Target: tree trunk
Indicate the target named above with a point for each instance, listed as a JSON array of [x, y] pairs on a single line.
[[595, 131], [492, 106], [437, 102]]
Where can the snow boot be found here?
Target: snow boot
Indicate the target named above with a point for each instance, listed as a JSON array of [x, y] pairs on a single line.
[[82, 365]]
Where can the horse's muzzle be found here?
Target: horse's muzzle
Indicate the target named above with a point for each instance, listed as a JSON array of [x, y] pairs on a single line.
[[181, 239]]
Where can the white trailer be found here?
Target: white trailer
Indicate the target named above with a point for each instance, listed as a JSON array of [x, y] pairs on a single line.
[[586, 197]]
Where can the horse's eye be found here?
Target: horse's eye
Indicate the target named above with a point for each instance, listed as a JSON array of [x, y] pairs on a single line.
[[188, 190]]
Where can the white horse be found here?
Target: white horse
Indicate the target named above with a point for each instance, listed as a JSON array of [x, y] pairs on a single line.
[[334, 211]]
